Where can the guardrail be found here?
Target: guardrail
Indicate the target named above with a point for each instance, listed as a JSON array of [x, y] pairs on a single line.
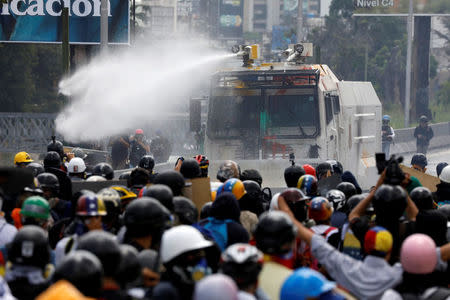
[[404, 141]]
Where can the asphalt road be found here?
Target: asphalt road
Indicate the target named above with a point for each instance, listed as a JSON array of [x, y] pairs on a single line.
[[434, 157]]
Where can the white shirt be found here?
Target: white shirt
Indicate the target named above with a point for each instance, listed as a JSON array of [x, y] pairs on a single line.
[[7, 232]]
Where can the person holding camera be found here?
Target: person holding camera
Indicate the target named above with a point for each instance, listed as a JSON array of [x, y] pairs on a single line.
[[423, 133], [387, 135]]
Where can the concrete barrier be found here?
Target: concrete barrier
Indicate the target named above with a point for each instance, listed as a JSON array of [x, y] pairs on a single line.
[[404, 141]]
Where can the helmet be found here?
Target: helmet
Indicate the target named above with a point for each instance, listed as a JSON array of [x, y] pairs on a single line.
[[148, 258], [185, 210], [56, 146], [308, 184], [347, 188], [103, 169], [322, 169], [139, 131], [129, 267], [419, 159], [354, 201], [76, 165], [190, 168], [90, 205], [205, 212], [292, 174], [104, 245], [52, 160], [440, 166], [254, 198], [146, 216], [337, 166], [423, 118], [389, 200], [309, 170], [422, 197], [386, 118], [203, 162], [126, 196], [95, 178], [125, 176], [111, 200], [445, 175], [446, 210], [160, 192], [296, 200], [35, 207], [36, 168], [305, 283], [337, 198], [243, 263], [147, 162], [78, 152], [30, 247], [172, 179], [22, 157], [82, 269], [216, 286], [48, 180], [274, 230], [418, 254], [181, 239], [253, 175], [320, 209], [228, 169], [234, 186]]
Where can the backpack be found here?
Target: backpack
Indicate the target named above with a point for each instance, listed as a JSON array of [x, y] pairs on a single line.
[[218, 230]]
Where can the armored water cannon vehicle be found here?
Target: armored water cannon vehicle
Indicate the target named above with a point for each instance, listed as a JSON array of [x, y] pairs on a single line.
[[260, 114]]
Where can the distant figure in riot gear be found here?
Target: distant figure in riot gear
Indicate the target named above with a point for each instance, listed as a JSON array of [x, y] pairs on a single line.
[[423, 133], [138, 148], [387, 135]]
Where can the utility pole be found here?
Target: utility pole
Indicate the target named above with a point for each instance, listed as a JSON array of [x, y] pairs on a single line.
[[300, 21], [104, 25], [65, 40], [408, 63]]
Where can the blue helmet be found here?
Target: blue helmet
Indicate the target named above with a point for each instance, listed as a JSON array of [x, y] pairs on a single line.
[[387, 118], [305, 283]]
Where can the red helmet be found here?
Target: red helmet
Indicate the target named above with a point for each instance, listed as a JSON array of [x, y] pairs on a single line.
[[309, 170], [320, 209], [139, 131]]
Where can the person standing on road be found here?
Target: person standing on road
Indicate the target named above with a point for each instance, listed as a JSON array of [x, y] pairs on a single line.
[[423, 133], [138, 148], [387, 135]]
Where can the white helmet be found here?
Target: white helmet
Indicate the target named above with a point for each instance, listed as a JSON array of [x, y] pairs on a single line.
[[179, 240], [96, 178], [216, 286], [76, 165], [445, 175]]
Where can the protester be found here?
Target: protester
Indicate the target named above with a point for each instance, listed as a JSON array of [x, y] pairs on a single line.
[[423, 133], [138, 148]]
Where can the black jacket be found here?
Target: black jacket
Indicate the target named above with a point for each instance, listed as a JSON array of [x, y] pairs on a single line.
[[426, 135]]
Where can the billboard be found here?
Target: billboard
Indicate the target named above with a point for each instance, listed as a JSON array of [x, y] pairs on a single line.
[[424, 7], [39, 21], [231, 18]]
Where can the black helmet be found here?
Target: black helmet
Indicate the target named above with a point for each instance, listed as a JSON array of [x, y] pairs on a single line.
[[190, 168], [205, 212], [419, 159], [52, 160], [36, 168], [103, 169], [125, 176], [336, 197], [322, 169], [48, 180], [389, 201], [185, 209], [147, 162], [30, 247], [446, 210], [172, 179], [336, 166], [149, 259], [423, 118], [274, 230], [253, 198], [422, 197], [296, 200], [353, 201], [56, 146], [160, 192], [292, 174], [146, 216], [251, 174], [103, 245], [129, 267], [82, 269], [347, 188], [243, 263]]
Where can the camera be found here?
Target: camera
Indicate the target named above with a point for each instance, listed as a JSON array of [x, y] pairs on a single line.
[[394, 174]]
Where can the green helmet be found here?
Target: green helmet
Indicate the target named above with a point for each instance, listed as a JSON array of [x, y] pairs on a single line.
[[35, 207]]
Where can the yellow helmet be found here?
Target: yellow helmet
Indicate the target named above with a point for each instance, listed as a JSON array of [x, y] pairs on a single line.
[[22, 157]]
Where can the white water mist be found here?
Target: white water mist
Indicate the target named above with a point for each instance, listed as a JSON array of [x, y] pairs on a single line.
[[118, 92]]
